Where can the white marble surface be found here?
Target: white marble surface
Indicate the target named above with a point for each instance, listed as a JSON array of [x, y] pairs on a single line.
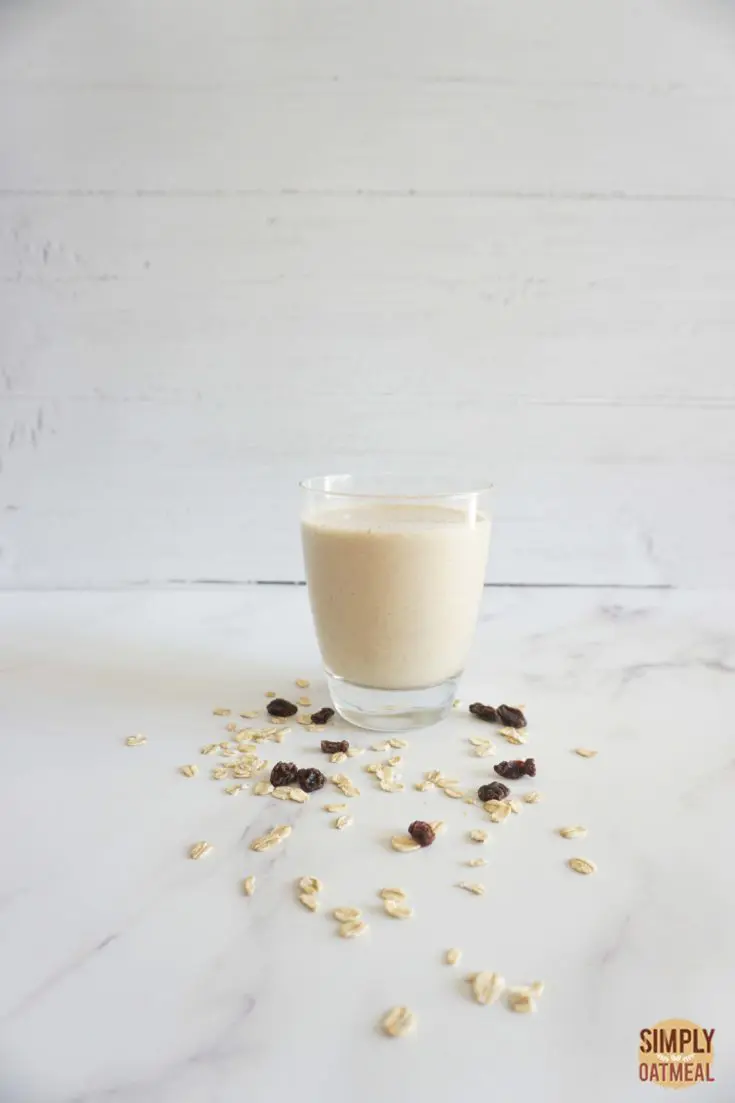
[[132, 974]]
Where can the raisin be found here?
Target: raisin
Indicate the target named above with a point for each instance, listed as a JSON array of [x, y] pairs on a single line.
[[322, 716], [422, 832], [517, 768], [511, 770], [484, 712], [311, 779], [335, 746], [495, 790], [284, 773], [280, 707], [511, 717]]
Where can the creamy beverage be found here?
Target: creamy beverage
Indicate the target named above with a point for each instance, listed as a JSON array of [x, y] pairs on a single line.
[[395, 590]]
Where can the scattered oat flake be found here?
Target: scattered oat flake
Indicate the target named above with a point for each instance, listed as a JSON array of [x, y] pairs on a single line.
[[345, 785], [277, 835], [398, 1022], [424, 786], [582, 865], [477, 741], [200, 850], [468, 886], [397, 743], [231, 727], [309, 901], [354, 752], [221, 712], [298, 795], [380, 747], [478, 835], [404, 843], [585, 752], [498, 810], [537, 988], [306, 720], [189, 770], [521, 1001], [574, 832], [233, 790], [513, 736], [136, 740], [304, 702], [310, 884], [477, 862], [443, 782], [346, 915], [282, 792], [353, 928], [437, 826], [532, 798], [397, 910], [392, 786], [455, 794], [342, 822], [249, 715], [487, 987], [334, 807], [302, 683], [248, 886], [453, 956], [209, 748], [395, 760], [338, 756], [392, 894], [484, 752], [219, 773], [514, 807], [270, 693]]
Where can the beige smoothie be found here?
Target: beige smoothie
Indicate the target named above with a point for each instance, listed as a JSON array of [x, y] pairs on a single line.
[[395, 591]]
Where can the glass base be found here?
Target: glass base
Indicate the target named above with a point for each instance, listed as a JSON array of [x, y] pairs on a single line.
[[391, 710]]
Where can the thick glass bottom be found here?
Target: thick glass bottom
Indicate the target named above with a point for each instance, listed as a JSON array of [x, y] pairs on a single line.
[[391, 710]]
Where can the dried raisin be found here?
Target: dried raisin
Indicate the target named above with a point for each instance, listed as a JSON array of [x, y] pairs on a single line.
[[310, 779], [322, 716], [484, 712], [516, 768], [494, 790], [280, 707], [284, 773], [335, 746], [511, 717], [422, 832]]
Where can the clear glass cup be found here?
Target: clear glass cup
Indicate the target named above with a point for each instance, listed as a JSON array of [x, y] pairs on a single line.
[[395, 568]]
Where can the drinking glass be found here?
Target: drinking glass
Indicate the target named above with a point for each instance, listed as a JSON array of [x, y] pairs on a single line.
[[395, 568]]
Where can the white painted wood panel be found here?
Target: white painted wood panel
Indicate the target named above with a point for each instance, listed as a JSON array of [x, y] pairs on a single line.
[[240, 243]]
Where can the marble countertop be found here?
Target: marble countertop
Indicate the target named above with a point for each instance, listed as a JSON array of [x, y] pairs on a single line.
[[130, 974]]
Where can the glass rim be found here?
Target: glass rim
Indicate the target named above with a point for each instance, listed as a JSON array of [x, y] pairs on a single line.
[[316, 484]]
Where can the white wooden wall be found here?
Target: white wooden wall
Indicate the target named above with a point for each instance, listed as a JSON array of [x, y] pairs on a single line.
[[246, 240]]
